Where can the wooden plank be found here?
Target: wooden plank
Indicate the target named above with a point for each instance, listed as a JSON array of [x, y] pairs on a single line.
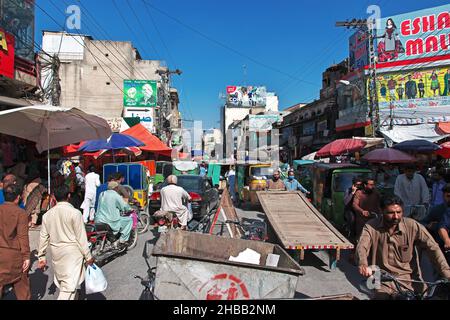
[[297, 222], [230, 213]]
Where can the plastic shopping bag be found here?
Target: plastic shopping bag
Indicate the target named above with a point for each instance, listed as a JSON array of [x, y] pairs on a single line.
[[95, 280]]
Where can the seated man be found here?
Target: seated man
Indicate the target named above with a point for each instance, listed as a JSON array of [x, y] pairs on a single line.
[[110, 205], [292, 184], [389, 242], [172, 197]]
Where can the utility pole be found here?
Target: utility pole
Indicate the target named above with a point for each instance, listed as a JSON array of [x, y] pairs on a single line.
[[368, 27], [165, 109], [56, 85]]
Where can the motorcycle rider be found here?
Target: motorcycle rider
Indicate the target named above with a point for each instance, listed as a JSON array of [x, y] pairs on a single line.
[[110, 205], [172, 197]]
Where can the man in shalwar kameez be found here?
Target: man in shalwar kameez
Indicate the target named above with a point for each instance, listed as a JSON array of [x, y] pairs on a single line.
[[110, 205], [64, 230]]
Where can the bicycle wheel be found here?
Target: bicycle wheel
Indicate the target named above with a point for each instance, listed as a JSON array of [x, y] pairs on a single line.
[[143, 222], [133, 239]]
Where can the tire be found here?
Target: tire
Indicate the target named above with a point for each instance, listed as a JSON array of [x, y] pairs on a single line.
[[133, 239], [143, 222]]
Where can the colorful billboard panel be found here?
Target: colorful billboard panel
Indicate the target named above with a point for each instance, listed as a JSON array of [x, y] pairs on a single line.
[[419, 34], [6, 54], [140, 93], [359, 50], [246, 96], [17, 18], [262, 122], [426, 87]]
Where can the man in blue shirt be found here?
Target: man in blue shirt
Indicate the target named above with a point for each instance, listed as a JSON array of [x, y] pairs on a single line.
[[293, 185], [444, 228], [437, 195], [437, 214]]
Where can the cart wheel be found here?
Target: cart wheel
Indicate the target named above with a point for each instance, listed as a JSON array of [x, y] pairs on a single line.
[[133, 239], [143, 222]]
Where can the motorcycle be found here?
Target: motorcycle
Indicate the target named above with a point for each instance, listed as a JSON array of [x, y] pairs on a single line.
[[102, 240]]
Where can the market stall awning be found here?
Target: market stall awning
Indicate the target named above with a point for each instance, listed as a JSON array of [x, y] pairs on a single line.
[[443, 127], [399, 134], [151, 143]]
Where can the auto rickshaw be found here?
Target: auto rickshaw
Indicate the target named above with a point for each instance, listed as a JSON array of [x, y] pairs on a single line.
[[251, 178], [330, 182], [185, 167], [163, 170], [217, 172], [136, 176]]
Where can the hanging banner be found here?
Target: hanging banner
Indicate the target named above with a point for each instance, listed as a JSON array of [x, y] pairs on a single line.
[[140, 93], [6, 54]]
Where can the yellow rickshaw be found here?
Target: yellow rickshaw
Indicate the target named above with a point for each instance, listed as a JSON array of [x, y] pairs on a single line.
[[251, 178]]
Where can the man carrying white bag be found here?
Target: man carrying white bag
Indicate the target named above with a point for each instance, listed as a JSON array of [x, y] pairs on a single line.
[[95, 280]]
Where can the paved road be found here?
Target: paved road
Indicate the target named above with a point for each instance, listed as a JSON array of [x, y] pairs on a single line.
[[317, 281]]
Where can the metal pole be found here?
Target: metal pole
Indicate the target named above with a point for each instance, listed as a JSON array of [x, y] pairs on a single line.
[[48, 162]]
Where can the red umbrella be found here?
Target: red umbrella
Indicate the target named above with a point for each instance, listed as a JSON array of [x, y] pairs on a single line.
[[388, 156], [340, 147], [445, 151]]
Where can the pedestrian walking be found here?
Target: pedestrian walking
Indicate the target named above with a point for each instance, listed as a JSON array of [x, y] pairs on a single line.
[[14, 245], [276, 183], [292, 184], [437, 193], [92, 182], [64, 231]]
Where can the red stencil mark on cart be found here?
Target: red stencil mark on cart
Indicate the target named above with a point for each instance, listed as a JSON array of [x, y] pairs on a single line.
[[225, 287]]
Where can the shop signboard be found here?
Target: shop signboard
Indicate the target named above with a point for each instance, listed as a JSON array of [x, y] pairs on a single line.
[[359, 50], [140, 93], [146, 116], [416, 35]]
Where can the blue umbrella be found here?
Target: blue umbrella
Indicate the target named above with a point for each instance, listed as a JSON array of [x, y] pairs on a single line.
[[417, 145], [116, 142]]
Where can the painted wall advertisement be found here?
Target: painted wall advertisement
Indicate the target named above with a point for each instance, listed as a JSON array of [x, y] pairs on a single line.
[[419, 34], [262, 122], [6, 54], [140, 93], [17, 18], [246, 96], [359, 50]]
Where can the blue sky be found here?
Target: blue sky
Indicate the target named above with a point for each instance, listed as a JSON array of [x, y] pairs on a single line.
[[289, 42]]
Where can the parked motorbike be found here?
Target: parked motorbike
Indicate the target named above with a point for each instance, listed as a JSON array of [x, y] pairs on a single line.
[[103, 241]]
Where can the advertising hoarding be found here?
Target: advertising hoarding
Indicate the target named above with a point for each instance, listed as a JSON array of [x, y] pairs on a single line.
[[6, 54], [17, 18], [146, 116], [140, 93], [262, 122], [409, 89], [359, 50], [419, 34], [246, 96]]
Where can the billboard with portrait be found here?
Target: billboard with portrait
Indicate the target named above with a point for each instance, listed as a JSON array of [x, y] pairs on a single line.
[[140, 93], [17, 18], [414, 35], [246, 96]]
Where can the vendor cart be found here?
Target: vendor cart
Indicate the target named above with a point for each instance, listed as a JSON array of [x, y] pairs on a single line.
[[192, 266]]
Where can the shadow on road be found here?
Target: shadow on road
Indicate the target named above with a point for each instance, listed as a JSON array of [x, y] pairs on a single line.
[[38, 280]]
